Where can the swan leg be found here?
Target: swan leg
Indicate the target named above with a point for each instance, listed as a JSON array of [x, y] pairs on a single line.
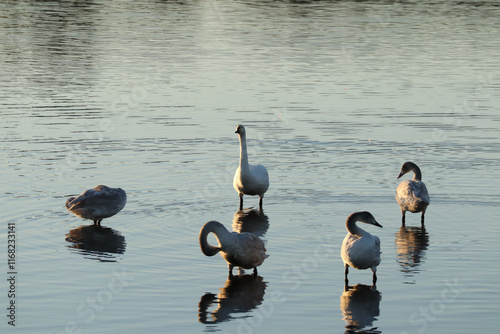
[[403, 214], [230, 269], [422, 219], [255, 271], [374, 277], [241, 201], [97, 221], [260, 202], [346, 281]]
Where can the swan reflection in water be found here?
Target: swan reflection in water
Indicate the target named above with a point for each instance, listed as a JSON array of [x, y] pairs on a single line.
[[250, 220], [240, 294], [360, 306], [411, 243], [96, 242]]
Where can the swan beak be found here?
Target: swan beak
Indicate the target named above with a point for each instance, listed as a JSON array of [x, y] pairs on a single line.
[[377, 224], [400, 174]]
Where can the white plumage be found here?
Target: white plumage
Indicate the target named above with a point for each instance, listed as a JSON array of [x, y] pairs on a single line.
[[249, 179], [244, 250], [360, 249], [412, 195], [97, 203]]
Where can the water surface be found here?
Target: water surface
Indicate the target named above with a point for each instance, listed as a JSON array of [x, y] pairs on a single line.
[[335, 96]]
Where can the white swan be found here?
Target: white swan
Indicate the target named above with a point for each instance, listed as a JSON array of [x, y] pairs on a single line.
[[412, 195], [249, 179], [244, 250], [98, 203], [360, 249]]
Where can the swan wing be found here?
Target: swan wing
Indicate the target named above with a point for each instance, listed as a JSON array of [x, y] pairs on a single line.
[[412, 191], [260, 175], [249, 250], [93, 197], [361, 252], [99, 201], [259, 172]]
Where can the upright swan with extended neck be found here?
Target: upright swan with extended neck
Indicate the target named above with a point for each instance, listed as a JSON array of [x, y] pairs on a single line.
[[360, 249], [249, 179], [412, 195], [97, 203], [243, 250]]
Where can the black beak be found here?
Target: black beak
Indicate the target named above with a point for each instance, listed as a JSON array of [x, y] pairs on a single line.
[[400, 174]]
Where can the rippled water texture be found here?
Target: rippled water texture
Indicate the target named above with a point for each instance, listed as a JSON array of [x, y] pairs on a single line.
[[335, 96]]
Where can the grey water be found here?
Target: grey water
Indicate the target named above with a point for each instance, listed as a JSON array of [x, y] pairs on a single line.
[[335, 95]]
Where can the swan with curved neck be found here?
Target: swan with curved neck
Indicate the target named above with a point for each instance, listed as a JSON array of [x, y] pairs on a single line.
[[249, 179], [360, 249], [243, 250], [412, 195], [97, 203]]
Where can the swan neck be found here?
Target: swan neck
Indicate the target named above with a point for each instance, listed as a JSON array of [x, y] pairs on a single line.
[[221, 233], [351, 226], [417, 173], [243, 150]]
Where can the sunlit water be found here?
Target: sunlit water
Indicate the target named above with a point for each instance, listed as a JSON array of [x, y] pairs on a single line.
[[335, 95]]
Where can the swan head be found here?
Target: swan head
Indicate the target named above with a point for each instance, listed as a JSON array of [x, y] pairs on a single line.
[[364, 217], [68, 202], [240, 129], [408, 167]]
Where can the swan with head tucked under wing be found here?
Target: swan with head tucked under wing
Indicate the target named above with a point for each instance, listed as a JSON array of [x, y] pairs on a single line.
[[97, 203], [244, 250], [249, 179], [412, 194], [360, 249]]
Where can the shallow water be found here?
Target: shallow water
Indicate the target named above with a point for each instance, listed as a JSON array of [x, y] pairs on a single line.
[[335, 95]]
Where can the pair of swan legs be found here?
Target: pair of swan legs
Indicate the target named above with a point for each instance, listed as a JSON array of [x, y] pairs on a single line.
[[231, 270], [241, 202], [403, 214], [346, 280]]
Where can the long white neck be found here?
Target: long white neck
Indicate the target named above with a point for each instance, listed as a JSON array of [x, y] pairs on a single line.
[[243, 151], [352, 228], [221, 233]]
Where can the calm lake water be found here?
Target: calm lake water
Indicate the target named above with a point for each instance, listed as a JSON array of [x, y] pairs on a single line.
[[335, 96]]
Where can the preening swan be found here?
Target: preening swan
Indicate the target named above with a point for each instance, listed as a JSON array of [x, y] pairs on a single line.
[[98, 203], [243, 250], [360, 249], [412, 195], [249, 179]]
